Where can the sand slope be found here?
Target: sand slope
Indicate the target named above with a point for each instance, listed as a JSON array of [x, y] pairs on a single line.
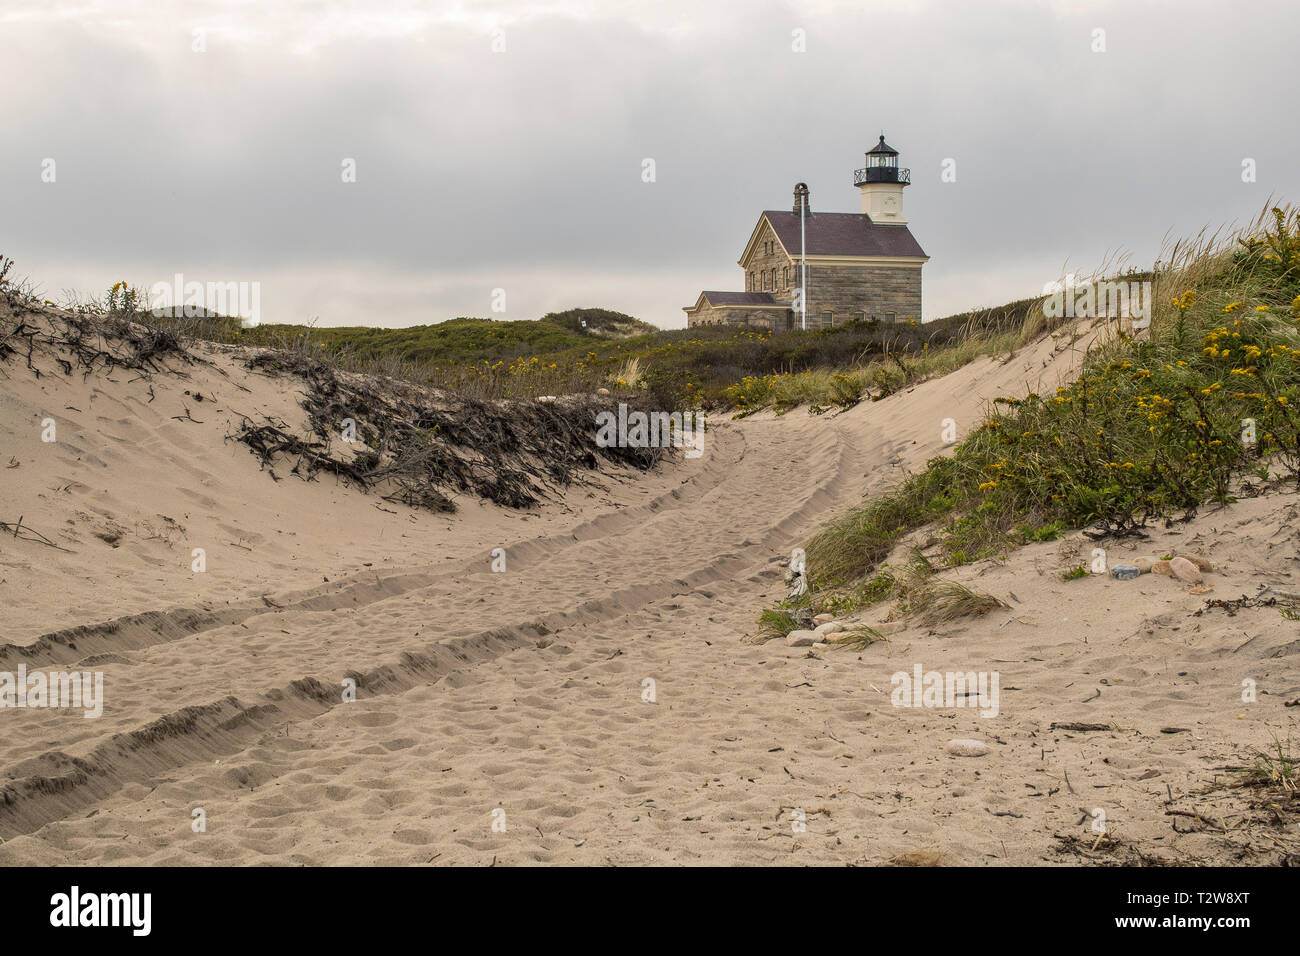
[[522, 692]]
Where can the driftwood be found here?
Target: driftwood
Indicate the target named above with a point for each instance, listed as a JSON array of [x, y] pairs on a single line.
[[1082, 728], [26, 533]]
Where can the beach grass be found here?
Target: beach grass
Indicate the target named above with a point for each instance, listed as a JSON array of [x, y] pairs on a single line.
[[1153, 428]]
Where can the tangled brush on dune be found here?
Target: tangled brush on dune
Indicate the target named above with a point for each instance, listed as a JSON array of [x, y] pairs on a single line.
[[422, 448], [85, 343]]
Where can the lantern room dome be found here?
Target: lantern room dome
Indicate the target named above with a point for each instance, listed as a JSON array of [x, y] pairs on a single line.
[[882, 148]]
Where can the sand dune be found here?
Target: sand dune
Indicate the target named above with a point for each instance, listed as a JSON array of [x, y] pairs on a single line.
[[518, 698]]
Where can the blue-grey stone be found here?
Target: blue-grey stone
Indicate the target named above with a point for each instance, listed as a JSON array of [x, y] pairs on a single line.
[[1124, 572]]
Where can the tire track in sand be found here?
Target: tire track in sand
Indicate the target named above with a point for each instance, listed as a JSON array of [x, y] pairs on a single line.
[[54, 784]]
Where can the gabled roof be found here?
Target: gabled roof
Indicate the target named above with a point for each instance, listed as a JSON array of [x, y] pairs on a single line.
[[757, 300], [738, 298], [842, 234]]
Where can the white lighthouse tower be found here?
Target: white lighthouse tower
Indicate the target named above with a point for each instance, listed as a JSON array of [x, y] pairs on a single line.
[[881, 184]]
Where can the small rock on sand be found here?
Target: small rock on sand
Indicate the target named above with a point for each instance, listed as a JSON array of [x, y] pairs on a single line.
[[1202, 563], [1124, 572], [830, 627], [823, 618], [1185, 571], [1161, 567], [967, 748], [801, 638], [1144, 565]]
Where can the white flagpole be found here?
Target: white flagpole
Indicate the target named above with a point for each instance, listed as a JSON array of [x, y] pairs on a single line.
[[803, 265]]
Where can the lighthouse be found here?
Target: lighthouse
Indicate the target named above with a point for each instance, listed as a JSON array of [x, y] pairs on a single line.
[[881, 184], [808, 270]]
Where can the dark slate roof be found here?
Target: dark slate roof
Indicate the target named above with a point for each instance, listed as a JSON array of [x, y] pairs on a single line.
[[843, 234], [883, 148], [739, 298]]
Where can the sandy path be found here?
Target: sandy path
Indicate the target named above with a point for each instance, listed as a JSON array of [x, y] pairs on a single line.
[[523, 692], [246, 684]]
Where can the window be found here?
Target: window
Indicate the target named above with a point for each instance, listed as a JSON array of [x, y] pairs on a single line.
[[828, 319], [891, 317]]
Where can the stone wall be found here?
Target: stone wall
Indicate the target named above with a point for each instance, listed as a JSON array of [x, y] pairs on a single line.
[[773, 271], [855, 291], [704, 315]]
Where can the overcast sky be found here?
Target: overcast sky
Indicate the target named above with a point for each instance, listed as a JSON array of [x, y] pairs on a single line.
[[522, 168]]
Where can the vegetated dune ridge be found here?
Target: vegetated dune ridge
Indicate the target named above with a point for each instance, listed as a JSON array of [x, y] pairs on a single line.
[[522, 692]]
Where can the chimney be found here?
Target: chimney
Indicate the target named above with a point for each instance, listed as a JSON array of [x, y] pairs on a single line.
[[801, 199]]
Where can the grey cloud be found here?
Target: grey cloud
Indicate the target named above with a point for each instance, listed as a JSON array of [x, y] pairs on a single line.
[[522, 169]]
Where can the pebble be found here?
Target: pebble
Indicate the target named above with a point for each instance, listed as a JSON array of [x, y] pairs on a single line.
[[801, 638], [967, 748], [1144, 565], [1185, 571], [1161, 567], [1124, 572], [830, 627], [823, 618]]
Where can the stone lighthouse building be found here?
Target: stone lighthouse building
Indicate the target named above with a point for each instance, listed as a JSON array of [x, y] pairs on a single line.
[[849, 266]]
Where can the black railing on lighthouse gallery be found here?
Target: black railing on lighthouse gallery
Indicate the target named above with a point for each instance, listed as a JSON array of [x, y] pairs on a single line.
[[881, 174]]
